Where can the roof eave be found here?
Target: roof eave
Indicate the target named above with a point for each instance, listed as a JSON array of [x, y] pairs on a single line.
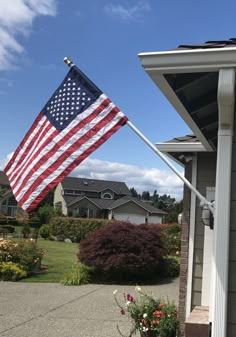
[[181, 147], [169, 148], [157, 64], [189, 60]]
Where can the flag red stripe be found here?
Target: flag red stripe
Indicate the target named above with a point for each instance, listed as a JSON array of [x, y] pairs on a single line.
[[67, 154], [24, 160], [31, 130], [60, 144], [75, 163]]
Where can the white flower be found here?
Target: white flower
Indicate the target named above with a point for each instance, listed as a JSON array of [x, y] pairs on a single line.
[[145, 329], [138, 289], [144, 315], [115, 291], [128, 303]]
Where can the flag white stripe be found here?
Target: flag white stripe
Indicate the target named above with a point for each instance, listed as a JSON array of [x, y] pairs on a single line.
[[26, 160], [22, 151]]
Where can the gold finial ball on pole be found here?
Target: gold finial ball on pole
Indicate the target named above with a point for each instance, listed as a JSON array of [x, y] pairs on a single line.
[[68, 62]]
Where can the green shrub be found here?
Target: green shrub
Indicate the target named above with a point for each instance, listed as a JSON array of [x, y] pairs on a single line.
[[10, 271], [5, 219], [124, 252], [76, 229], [171, 266], [44, 231], [3, 231], [9, 228], [77, 275], [170, 235], [25, 253]]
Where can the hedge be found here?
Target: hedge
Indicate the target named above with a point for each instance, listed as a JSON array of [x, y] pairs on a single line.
[[75, 229]]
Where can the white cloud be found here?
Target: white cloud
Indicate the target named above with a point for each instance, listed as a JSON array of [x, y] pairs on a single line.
[[130, 13], [16, 18], [4, 161], [141, 178]]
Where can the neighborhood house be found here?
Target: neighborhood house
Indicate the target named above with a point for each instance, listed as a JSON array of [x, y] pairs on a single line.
[[93, 198], [8, 204]]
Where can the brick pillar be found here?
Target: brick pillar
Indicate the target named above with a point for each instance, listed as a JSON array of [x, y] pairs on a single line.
[[184, 250]]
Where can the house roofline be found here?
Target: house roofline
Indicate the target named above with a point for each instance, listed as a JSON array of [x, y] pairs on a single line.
[[131, 200], [75, 201], [157, 64], [181, 147]]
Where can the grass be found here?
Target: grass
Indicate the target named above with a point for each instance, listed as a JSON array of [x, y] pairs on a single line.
[[57, 260]]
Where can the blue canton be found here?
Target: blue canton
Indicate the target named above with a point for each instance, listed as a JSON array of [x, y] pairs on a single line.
[[75, 94]]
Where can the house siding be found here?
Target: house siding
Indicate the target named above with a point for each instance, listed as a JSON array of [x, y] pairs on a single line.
[[86, 204], [206, 173], [131, 208], [59, 198], [205, 177], [231, 327]]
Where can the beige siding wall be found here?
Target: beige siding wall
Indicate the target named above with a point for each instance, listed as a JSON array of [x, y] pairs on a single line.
[[231, 330], [205, 177], [59, 198]]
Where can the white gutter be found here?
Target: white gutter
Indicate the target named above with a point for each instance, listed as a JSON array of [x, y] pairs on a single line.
[[218, 310], [181, 147], [189, 60]]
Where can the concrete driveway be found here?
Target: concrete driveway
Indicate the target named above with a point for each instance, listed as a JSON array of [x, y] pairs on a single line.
[[53, 310]]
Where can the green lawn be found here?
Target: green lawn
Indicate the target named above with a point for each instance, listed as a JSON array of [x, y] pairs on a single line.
[[58, 258]]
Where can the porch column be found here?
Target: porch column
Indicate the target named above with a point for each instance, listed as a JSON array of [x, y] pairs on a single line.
[[218, 307]]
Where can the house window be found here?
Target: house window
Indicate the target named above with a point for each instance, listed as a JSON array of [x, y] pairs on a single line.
[[72, 192], [12, 202], [107, 195]]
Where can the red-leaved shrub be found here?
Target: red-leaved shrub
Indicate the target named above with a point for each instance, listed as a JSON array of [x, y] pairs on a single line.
[[122, 251]]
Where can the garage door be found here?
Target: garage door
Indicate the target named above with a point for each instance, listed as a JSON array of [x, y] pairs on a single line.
[[133, 218]]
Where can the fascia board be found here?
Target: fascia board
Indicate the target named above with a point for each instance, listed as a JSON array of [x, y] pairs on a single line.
[[189, 60], [181, 147]]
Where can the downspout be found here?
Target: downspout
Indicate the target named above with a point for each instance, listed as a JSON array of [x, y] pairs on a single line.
[[218, 309]]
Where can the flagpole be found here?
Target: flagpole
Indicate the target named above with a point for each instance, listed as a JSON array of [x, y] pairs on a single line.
[[203, 200]]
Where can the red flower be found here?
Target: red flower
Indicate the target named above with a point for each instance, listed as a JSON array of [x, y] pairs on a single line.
[[130, 298], [176, 313], [122, 312], [157, 313]]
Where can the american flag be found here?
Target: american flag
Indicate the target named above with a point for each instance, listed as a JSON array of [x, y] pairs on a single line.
[[76, 120]]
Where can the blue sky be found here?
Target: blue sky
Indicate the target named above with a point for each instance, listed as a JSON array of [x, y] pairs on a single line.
[[103, 38]]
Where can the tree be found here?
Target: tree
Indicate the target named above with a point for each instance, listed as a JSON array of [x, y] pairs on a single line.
[[133, 192], [146, 195]]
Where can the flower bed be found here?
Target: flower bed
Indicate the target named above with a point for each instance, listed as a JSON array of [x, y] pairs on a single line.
[[149, 316]]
